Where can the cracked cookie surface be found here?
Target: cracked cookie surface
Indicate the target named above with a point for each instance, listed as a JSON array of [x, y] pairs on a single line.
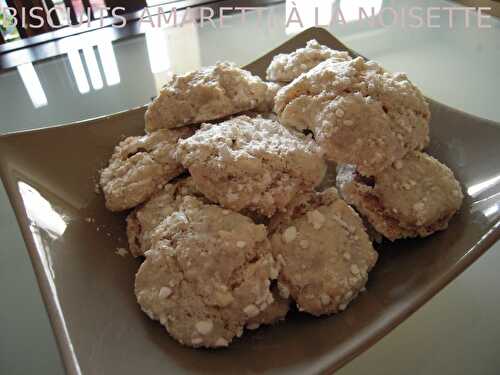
[[415, 196], [145, 218], [140, 166], [358, 113], [285, 68], [324, 252], [200, 299], [267, 104], [206, 94], [251, 163]]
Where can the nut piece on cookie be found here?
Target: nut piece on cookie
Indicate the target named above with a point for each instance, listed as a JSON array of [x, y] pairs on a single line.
[[204, 95], [140, 166], [276, 311], [209, 271], [286, 67], [251, 163], [415, 196], [324, 252], [358, 113], [143, 219]]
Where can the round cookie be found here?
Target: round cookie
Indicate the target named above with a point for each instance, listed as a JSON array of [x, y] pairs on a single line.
[[324, 251], [252, 164], [286, 67], [209, 271], [415, 196], [206, 94], [358, 113], [143, 219], [141, 166]]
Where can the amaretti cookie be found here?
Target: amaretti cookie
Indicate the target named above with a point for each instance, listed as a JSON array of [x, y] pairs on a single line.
[[145, 218], [252, 164], [206, 94], [209, 271], [324, 251], [140, 166], [285, 68], [415, 196], [359, 113]]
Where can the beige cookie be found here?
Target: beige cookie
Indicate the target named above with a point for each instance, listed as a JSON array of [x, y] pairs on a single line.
[[358, 113], [251, 164], [141, 166], [204, 95], [143, 219], [324, 251], [416, 196], [267, 105], [286, 67], [208, 273]]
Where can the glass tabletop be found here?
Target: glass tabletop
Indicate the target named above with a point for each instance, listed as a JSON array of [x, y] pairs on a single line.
[[452, 58]]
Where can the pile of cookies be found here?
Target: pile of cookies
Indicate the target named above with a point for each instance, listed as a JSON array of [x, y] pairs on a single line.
[[229, 205]]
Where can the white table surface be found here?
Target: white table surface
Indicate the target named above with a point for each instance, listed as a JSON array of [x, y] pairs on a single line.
[[457, 332]]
